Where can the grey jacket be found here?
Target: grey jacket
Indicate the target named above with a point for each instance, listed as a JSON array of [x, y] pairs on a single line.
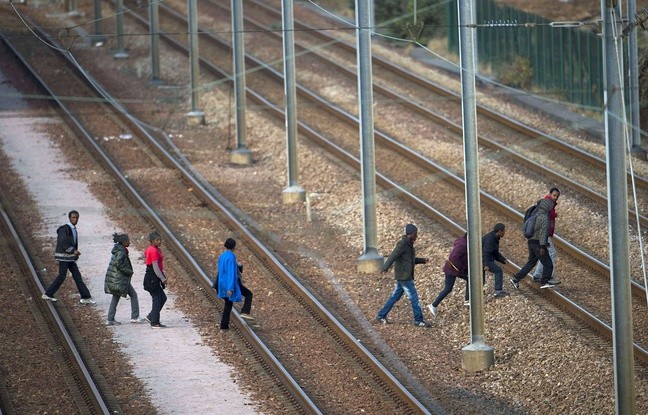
[[541, 230], [119, 273], [404, 256]]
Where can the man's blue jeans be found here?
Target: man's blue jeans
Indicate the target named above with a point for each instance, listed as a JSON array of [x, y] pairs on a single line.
[[497, 272], [410, 290]]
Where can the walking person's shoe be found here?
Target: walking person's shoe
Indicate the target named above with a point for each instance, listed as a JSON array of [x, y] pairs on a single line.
[[147, 319], [382, 320], [500, 293], [537, 279], [87, 301], [113, 323], [466, 302], [48, 298], [158, 326], [554, 282], [422, 323], [547, 284], [138, 320], [246, 316], [515, 283], [433, 310]]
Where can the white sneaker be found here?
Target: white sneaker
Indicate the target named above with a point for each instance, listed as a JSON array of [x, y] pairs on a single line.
[[433, 310], [138, 320], [247, 317], [48, 298], [467, 302], [87, 301]]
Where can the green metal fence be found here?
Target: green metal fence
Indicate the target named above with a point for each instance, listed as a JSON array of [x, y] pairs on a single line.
[[565, 61]]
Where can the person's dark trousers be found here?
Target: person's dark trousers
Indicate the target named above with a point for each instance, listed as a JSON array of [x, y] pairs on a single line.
[[447, 289], [497, 273], [534, 255], [227, 308], [247, 304], [158, 298], [76, 275]]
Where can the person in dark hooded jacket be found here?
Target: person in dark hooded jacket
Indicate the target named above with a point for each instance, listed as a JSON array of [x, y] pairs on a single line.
[[537, 246], [118, 279]]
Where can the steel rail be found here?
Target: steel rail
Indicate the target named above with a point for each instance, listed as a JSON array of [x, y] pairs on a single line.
[[83, 378], [530, 132], [363, 356], [571, 307], [382, 138]]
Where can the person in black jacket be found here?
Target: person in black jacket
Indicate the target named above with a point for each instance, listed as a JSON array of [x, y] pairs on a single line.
[[404, 257], [67, 253], [491, 255]]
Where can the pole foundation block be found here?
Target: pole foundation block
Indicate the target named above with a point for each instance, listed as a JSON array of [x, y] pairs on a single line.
[[241, 156], [292, 195], [195, 118], [370, 263], [477, 357]]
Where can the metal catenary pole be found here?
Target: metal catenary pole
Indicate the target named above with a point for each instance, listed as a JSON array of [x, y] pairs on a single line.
[[476, 356], [154, 24], [98, 39], [293, 193], [195, 116], [240, 155], [615, 143], [370, 261], [120, 53]]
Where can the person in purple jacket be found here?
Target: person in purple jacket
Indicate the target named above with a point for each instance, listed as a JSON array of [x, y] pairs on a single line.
[[456, 266], [230, 287]]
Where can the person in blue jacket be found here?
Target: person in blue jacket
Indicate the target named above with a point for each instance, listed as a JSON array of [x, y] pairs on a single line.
[[230, 286]]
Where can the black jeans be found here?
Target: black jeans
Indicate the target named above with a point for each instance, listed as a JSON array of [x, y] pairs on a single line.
[[158, 298], [227, 309], [534, 256], [447, 289], [76, 275]]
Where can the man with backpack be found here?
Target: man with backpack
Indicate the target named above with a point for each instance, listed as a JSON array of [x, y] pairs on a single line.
[[554, 194], [537, 246]]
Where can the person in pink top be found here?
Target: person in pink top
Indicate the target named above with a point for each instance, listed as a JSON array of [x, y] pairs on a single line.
[[154, 279]]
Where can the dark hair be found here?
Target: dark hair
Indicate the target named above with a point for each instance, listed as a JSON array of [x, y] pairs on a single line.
[[554, 189], [499, 227], [154, 235], [120, 238], [72, 212], [230, 243]]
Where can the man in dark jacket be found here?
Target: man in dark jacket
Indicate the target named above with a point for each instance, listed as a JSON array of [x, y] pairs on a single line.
[[404, 258], [537, 246], [67, 253], [491, 254], [456, 266]]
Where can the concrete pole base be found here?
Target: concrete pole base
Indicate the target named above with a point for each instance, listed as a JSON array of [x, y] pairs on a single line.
[[241, 156], [477, 357], [156, 82], [292, 195], [370, 263], [120, 54], [195, 118]]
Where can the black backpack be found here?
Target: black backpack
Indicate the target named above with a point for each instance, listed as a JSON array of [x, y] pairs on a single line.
[[529, 221]]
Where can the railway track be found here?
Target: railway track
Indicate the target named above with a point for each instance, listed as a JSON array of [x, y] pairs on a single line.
[[87, 390], [384, 392], [322, 120]]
